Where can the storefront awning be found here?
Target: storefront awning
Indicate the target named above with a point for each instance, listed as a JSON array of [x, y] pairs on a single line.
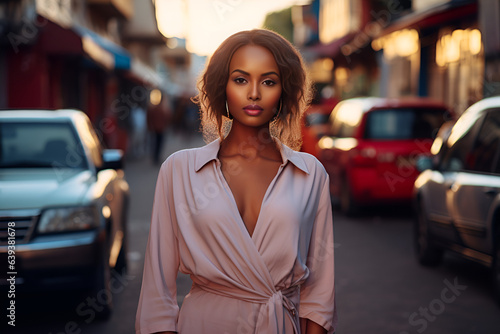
[[77, 41], [330, 50], [143, 74], [104, 50], [434, 16]]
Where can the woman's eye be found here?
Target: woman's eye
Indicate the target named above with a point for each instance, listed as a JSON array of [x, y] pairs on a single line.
[[239, 80], [269, 82]]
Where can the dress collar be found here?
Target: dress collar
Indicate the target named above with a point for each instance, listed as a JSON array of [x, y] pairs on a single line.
[[209, 152]]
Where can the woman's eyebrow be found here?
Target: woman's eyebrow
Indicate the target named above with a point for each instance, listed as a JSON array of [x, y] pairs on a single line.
[[269, 73], [262, 75]]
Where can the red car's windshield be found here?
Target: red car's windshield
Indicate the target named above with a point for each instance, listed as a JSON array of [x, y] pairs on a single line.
[[400, 124]]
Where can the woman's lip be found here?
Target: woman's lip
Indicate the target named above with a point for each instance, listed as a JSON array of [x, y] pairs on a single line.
[[253, 107], [253, 110]]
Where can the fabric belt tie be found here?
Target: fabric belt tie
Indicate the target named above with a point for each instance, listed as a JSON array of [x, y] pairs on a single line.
[[271, 318], [276, 305]]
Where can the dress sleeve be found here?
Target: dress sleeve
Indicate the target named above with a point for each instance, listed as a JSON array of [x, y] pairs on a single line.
[[158, 310], [317, 293]]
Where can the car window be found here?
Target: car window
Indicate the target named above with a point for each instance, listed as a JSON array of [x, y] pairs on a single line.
[[485, 150], [345, 119], [331, 120], [50, 145], [95, 146], [457, 157], [400, 124], [316, 119]]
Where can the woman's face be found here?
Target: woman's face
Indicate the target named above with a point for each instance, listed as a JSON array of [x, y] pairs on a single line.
[[254, 87]]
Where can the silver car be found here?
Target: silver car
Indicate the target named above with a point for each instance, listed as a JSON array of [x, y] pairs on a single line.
[[457, 196], [63, 206]]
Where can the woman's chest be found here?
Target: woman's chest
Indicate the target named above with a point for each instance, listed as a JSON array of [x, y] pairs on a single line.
[[250, 187], [211, 226], [283, 206]]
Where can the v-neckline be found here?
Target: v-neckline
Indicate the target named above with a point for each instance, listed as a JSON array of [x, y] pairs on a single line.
[[235, 204]]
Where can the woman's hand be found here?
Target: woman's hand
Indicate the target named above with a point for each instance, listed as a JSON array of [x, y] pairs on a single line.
[[310, 327]]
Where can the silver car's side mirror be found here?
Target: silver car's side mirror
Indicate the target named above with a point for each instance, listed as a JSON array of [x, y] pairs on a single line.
[[112, 159]]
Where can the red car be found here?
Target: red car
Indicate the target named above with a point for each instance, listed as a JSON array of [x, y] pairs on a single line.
[[315, 125], [372, 145]]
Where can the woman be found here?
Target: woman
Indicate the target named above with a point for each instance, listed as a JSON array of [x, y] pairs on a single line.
[[246, 216]]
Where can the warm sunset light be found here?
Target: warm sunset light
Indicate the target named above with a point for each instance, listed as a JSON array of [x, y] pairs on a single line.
[[205, 24]]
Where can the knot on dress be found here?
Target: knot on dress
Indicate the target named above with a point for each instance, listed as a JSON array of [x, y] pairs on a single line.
[[278, 297], [279, 306]]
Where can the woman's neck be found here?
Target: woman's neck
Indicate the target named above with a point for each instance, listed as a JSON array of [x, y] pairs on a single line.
[[250, 142]]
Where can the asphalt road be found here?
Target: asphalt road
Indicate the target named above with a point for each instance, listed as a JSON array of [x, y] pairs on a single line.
[[380, 287]]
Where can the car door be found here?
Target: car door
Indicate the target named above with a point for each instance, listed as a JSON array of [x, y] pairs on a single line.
[[476, 188], [436, 205], [344, 121], [442, 189]]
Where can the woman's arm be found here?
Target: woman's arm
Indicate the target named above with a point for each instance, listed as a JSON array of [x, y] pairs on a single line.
[[310, 327], [317, 293], [158, 310]]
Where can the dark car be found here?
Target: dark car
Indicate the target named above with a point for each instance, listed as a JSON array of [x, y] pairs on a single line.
[[457, 197], [372, 145], [63, 205]]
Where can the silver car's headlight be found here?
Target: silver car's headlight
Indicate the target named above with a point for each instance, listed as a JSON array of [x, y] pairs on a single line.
[[68, 219]]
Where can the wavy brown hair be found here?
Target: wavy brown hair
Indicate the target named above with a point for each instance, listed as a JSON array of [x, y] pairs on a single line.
[[296, 88]]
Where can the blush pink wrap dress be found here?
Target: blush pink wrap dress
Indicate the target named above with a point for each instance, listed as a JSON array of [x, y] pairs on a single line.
[[260, 283]]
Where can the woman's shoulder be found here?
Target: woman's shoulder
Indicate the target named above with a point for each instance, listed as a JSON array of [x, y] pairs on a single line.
[[313, 165], [181, 157], [187, 157]]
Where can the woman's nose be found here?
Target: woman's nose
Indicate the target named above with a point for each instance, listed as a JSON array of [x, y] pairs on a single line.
[[254, 93]]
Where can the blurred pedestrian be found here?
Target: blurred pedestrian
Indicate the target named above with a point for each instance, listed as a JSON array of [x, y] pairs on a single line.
[[139, 131], [158, 118], [246, 216]]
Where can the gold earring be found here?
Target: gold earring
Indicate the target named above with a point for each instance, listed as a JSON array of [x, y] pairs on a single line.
[[227, 111]]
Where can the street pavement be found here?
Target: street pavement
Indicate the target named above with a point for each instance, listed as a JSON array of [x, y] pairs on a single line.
[[380, 287]]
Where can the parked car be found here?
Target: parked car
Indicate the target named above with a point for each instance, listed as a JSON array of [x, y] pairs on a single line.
[[371, 148], [63, 205], [315, 125], [457, 198]]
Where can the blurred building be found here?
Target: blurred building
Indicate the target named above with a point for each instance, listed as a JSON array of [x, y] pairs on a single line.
[[489, 25], [434, 50], [326, 32], [446, 49], [181, 70], [80, 54]]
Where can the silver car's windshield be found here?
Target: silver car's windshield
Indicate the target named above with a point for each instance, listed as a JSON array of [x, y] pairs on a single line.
[[40, 145]]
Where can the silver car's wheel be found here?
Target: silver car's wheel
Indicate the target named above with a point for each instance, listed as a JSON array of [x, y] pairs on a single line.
[[427, 253], [102, 291], [121, 262]]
